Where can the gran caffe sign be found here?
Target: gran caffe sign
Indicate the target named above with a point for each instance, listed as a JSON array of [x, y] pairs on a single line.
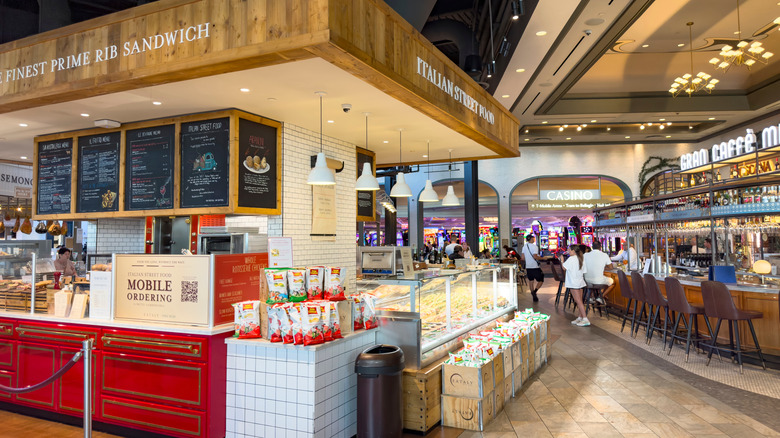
[[732, 148]]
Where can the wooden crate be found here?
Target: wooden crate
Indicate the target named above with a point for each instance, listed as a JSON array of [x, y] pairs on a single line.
[[422, 397], [518, 377], [499, 394], [498, 368], [507, 365], [467, 412], [509, 388], [467, 381]]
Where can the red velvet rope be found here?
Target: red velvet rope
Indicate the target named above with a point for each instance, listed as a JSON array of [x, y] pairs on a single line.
[[76, 357]]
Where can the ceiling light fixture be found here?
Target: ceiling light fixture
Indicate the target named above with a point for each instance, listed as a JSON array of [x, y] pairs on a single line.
[[84, 115], [668, 136], [661, 126], [565, 126], [517, 10], [544, 122], [662, 120], [568, 138], [401, 189], [584, 125], [23, 125], [157, 102], [668, 123], [687, 83], [429, 194], [491, 68], [541, 33], [609, 129], [690, 127], [641, 126], [526, 131], [579, 128], [244, 90], [450, 199], [367, 181], [680, 45], [645, 45], [504, 96], [320, 174], [385, 141], [560, 128], [520, 70], [23, 157], [593, 121], [628, 136], [746, 53], [711, 118]]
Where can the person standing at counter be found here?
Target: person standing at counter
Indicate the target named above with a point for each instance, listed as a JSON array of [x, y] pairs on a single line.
[[63, 263], [595, 262], [576, 269], [629, 255], [530, 254]]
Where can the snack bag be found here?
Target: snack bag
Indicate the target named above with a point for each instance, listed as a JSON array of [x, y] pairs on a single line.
[[334, 320], [296, 279], [369, 312], [357, 312], [295, 317], [286, 323], [312, 324], [247, 319], [274, 324], [327, 324], [277, 286], [334, 284], [314, 278]]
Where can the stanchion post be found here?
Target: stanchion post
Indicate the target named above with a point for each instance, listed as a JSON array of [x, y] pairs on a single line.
[[86, 345]]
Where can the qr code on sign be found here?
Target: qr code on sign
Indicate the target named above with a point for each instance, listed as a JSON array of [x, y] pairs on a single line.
[[189, 291]]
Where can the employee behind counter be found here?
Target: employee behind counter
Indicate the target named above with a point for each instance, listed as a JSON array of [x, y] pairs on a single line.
[[63, 263]]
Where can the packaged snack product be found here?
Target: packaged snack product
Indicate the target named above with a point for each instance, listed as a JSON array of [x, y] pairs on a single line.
[[296, 279], [312, 324], [286, 323], [327, 324], [357, 312], [334, 320], [274, 324], [314, 276], [334, 284], [277, 286], [369, 312], [247, 319], [295, 317]]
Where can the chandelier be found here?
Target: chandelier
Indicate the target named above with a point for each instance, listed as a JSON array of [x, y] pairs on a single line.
[[746, 53], [688, 83]]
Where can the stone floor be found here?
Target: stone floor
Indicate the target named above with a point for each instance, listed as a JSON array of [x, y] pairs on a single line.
[[600, 383]]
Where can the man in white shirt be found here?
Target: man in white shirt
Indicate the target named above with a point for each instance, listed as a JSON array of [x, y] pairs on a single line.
[[530, 254], [449, 248], [595, 262], [630, 255]]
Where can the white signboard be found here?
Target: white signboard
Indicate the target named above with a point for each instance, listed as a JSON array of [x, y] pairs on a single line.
[[100, 288], [16, 180], [640, 218], [162, 288], [770, 137], [280, 252], [323, 213], [569, 195], [406, 261]]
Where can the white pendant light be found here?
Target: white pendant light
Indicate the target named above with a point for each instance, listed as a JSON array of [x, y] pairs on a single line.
[[429, 194], [321, 175], [450, 199], [367, 180], [401, 189]]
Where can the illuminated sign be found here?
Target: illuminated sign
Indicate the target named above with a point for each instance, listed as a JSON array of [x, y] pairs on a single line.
[[569, 195], [567, 205], [735, 147]]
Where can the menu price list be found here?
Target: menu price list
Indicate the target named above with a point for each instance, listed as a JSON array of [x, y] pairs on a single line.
[[257, 170], [98, 173], [55, 166], [204, 163], [365, 199], [149, 168]]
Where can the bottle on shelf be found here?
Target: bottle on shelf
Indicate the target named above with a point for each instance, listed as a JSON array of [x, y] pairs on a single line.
[[777, 163], [734, 173]]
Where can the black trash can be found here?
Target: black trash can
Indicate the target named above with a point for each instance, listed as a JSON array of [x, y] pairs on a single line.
[[379, 405]]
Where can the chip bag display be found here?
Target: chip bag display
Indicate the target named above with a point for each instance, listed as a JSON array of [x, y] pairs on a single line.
[[277, 286], [312, 324], [334, 320], [296, 280], [357, 312], [274, 324], [314, 278], [247, 319], [294, 311], [334, 284], [285, 323], [327, 323], [369, 311]]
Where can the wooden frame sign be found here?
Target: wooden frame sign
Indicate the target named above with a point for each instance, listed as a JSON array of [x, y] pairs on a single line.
[[222, 162], [366, 200]]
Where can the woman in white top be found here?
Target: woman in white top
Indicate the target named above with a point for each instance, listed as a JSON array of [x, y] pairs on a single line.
[[575, 281]]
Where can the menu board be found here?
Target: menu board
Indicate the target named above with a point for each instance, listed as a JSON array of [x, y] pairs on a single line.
[[204, 163], [98, 173], [365, 199], [149, 163], [258, 168], [55, 166]]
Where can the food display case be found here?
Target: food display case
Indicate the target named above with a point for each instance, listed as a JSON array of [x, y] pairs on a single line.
[[22, 263], [427, 314]]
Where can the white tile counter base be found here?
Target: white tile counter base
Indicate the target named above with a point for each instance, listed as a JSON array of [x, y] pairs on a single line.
[[276, 391]]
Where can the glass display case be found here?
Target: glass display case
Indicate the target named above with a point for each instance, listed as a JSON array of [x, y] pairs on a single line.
[[22, 265], [427, 314]]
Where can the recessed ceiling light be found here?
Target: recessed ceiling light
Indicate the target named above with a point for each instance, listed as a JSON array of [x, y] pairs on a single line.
[[680, 45], [544, 122], [641, 126], [668, 123], [645, 45], [504, 96], [425, 156], [331, 121], [244, 90], [736, 32], [579, 128], [712, 118], [690, 127], [661, 126], [609, 129], [526, 131], [560, 128], [668, 136], [650, 124], [385, 141], [541, 33], [593, 121], [628, 136], [156, 103], [584, 125], [565, 126], [23, 125], [526, 139], [272, 99], [663, 120], [568, 138], [23, 157], [520, 70], [84, 115]]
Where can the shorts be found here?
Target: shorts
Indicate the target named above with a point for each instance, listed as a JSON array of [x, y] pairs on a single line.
[[603, 280], [534, 274]]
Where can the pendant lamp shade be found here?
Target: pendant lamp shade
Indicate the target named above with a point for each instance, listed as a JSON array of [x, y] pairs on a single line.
[[429, 194], [366, 182], [401, 189], [450, 200], [321, 175]]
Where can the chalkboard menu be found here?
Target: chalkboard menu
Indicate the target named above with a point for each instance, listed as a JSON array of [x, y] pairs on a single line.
[[258, 168], [365, 199], [98, 173], [55, 166], [204, 163], [149, 162]]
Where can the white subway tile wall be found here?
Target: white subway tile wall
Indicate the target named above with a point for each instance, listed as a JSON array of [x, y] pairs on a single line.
[[116, 236], [279, 392]]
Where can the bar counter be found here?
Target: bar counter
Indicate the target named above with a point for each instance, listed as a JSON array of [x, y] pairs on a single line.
[[745, 296]]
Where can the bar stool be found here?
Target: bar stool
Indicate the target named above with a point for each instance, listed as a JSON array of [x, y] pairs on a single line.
[[558, 276], [719, 304], [675, 295], [637, 285], [593, 290], [628, 294], [656, 302]]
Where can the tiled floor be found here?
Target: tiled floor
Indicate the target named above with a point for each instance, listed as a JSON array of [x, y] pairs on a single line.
[[602, 384]]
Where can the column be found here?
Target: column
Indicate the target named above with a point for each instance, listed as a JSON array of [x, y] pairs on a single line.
[[471, 203]]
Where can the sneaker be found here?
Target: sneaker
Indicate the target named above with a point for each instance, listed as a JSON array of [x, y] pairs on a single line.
[[576, 321], [533, 294], [600, 301], [591, 301], [583, 323]]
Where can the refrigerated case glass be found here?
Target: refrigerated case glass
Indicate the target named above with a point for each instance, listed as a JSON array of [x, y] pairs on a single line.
[[23, 263]]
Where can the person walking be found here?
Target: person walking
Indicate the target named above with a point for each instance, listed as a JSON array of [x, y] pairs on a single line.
[[533, 271], [575, 271]]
